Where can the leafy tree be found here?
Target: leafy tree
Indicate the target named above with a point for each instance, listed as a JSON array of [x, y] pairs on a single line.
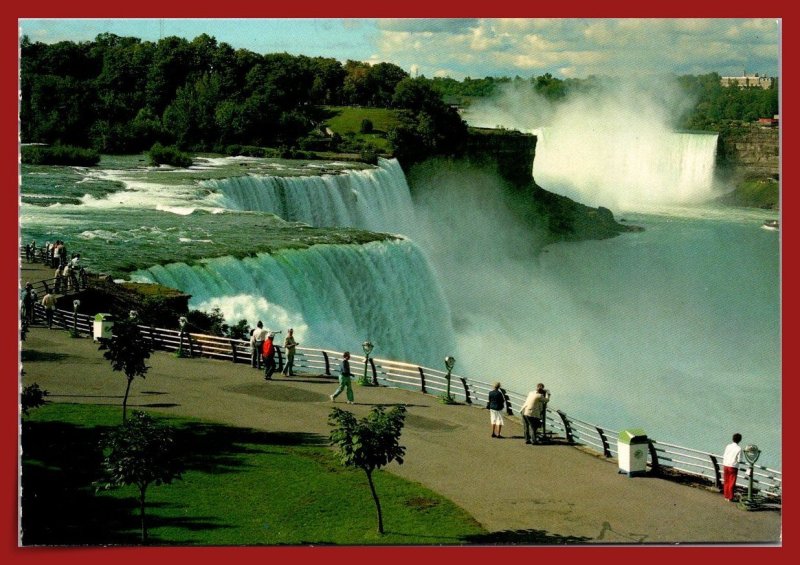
[[32, 397], [140, 452], [369, 443], [127, 351], [207, 322], [240, 330]]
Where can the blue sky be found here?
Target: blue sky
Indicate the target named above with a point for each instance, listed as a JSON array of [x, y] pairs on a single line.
[[476, 47]]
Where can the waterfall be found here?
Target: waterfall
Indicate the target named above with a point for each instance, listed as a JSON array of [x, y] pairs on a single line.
[[334, 296], [626, 169], [373, 199]]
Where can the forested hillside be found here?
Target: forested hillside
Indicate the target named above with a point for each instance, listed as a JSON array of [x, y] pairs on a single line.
[[123, 95]]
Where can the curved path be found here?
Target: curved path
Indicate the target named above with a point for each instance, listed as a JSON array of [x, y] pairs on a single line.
[[552, 494]]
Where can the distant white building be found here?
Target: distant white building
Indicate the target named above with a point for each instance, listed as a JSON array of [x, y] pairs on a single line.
[[748, 80]]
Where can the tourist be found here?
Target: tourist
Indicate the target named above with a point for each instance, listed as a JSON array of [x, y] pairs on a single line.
[[730, 466], [61, 252], [497, 401], [345, 377], [268, 354], [533, 413], [66, 278], [257, 338], [49, 303], [28, 300], [59, 282], [289, 344], [73, 272]]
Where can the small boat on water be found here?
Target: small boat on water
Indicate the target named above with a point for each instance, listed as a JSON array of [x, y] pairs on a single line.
[[770, 225]]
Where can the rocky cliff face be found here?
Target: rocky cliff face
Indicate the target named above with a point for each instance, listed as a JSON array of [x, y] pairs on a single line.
[[748, 152], [509, 154]]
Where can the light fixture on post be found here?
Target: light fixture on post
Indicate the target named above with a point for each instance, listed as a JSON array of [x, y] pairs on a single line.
[[449, 363], [182, 321], [133, 315], [367, 346], [751, 454], [75, 305]]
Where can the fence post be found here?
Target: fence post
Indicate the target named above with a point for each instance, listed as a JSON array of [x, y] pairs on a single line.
[[567, 427], [280, 358], [508, 402], [654, 464], [233, 349], [191, 345], [717, 477], [327, 364], [152, 338], [466, 390], [422, 380], [374, 372], [606, 449]]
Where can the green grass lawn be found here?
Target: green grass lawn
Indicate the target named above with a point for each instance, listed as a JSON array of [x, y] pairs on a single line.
[[240, 487], [755, 193], [346, 120]]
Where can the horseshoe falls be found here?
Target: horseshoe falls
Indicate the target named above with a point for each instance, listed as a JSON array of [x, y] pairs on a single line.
[[628, 170], [334, 296], [372, 199]]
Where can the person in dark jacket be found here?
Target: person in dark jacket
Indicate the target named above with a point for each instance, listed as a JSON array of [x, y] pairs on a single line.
[[497, 402]]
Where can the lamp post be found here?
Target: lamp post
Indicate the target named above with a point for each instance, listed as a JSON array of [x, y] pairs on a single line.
[[182, 321], [75, 304], [751, 454], [133, 315], [367, 346], [449, 363]]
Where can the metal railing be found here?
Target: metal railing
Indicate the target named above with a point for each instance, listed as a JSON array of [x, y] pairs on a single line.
[[663, 457]]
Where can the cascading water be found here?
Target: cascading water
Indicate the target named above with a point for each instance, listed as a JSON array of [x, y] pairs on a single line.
[[373, 199], [629, 169], [334, 296]]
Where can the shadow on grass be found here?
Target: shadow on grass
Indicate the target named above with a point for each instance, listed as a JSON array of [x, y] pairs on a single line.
[[61, 462], [34, 355], [524, 537]]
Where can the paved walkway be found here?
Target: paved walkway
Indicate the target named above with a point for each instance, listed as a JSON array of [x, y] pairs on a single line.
[[554, 493]]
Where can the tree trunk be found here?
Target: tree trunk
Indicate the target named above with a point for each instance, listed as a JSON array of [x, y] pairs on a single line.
[[377, 502], [125, 400], [141, 514]]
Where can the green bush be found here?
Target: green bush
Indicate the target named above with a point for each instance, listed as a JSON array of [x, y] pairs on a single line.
[[170, 155], [59, 155]]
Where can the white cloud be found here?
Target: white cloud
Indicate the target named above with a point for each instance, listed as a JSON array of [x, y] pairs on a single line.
[[581, 47]]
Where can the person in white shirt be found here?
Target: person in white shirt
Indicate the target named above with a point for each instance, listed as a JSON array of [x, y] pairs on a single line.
[[257, 339], [730, 466], [533, 413]]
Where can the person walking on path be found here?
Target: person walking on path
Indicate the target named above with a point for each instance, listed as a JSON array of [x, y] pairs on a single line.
[[268, 353], [533, 413], [49, 303], [28, 301], [730, 466], [289, 344], [345, 378], [495, 405], [257, 339]]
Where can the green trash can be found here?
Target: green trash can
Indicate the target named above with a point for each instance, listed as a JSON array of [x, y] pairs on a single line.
[[103, 326], [632, 448]]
